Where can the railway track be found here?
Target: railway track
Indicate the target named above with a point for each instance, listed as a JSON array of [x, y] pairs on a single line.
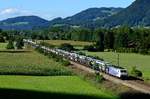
[[129, 83]]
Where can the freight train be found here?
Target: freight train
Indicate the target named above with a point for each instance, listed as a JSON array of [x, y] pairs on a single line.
[[91, 62]]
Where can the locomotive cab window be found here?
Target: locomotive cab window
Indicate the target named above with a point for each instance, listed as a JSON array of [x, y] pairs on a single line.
[[123, 71]]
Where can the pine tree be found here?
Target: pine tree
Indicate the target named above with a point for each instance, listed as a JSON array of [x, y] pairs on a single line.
[[109, 40], [100, 39], [10, 45]]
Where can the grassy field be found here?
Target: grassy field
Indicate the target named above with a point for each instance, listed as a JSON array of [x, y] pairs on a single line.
[[52, 85], [33, 63], [29, 63], [128, 60], [74, 43], [3, 46]]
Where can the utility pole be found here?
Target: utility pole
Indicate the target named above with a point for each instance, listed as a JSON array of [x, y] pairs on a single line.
[[118, 60]]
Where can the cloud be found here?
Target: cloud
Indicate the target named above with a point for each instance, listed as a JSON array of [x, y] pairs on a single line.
[[9, 11], [14, 12]]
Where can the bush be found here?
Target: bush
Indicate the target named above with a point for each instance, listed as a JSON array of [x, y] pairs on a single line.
[[65, 63], [19, 43], [143, 51], [99, 78], [135, 72], [53, 56], [96, 57], [2, 39], [67, 47], [109, 50], [89, 48], [127, 50], [148, 52], [81, 53], [39, 50]]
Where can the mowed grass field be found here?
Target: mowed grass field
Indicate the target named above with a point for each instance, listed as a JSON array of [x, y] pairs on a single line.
[[52, 85], [74, 43], [29, 63], [127, 60], [3, 46], [33, 64]]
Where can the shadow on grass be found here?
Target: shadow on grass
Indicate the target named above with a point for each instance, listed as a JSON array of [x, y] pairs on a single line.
[[132, 78], [14, 51], [134, 95], [27, 94]]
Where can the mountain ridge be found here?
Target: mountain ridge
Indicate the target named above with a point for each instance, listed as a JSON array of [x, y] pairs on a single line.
[[23, 23], [87, 16], [137, 14]]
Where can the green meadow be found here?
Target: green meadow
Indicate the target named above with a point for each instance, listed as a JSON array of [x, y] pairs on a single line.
[[53, 84], [30, 63], [127, 60], [3, 46], [74, 43], [29, 74]]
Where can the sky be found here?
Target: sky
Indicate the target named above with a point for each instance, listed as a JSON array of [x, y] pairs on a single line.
[[49, 9]]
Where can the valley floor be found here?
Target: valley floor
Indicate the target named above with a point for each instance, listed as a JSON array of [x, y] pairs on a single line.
[[55, 84]]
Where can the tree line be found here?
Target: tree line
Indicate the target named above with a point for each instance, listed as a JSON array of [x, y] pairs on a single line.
[[14, 41], [120, 39]]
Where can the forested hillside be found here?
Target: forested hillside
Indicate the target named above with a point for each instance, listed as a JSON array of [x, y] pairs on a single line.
[[137, 14], [23, 23], [86, 17]]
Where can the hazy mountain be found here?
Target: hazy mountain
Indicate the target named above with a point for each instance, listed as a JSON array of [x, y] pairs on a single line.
[[23, 23]]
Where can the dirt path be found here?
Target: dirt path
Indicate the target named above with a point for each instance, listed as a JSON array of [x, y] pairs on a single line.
[[130, 83]]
